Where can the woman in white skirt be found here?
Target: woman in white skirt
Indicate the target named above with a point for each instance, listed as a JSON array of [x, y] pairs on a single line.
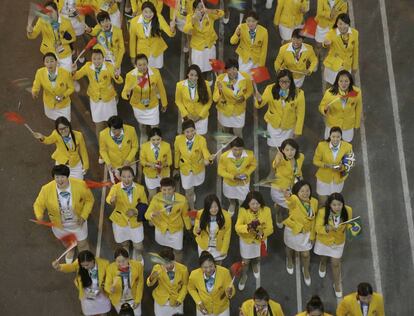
[[299, 231], [70, 147], [212, 229], [328, 157], [331, 235], [126, 196], [254, 225], [91, 272], [289, 16]]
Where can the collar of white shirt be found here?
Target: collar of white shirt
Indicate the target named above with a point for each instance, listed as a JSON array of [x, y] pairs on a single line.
[[302, 49], [231, 155]]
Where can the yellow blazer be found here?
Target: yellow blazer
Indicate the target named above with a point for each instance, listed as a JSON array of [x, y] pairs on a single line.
[[323, 155], [305, 313], [166, 290], [48, 36], [101, 89], [183, 8], [202, 36], [226, 101], [103, 5], [341, 57], [298, 220], [248, 308], [82, 201], [333, 237], [216, 301], [256, 51], [350, 306], [146, 156], [115, 155], [264, 216], [137, 4], [289, 13], [65, 155], [228, 170], [345, 117], [102, 265], [175, 220], [323, 13], [122, 204], [150, 46], [222, 235], [292, 115], [114, 46], [286, 60], [285, 173], [113, 278], [192, 160], [151, 89], [188, 106], [63, 87]]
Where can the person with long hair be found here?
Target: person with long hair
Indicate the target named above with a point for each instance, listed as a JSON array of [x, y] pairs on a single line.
[[331, 235], [90, 277], [111, 7], [314, 307], [341, 106], [193, 99], [254, 225], [299, 233], [261, 305], [145, 35], [212, 229], [70, 147], [211, 287]]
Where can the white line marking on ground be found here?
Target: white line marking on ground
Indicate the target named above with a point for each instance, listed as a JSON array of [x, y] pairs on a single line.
[[101, 215]]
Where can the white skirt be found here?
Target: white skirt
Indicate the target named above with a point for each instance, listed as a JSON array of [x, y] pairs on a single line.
[[231, 121], [147, 117], [66, 63], [225, 313], [201, 58], [167, 310], [299, 242], [202, 126], [81, 232], [192, 180], [278, 135], [137, 311], [286, 33], [217, 255], [238, 192], [53, 114], [116, 18], [77, 25], [174, 240], [278, 197], [329, 75], [125, 233], [152, 183], [76, 171], [299, 82], [321, 33], [323, 188], [249, 251], [247, 67], [101, 111], [334, 251], [347, 134], [156, 62], [100, 305], [179, 23]]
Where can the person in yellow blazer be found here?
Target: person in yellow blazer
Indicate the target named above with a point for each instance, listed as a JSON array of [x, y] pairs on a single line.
[[145, 35], [180, 12], [314, 307], [235, 167], [68, 9], [90, 278], [57, 85], [211, 287], [261, 305], [363, 302], [193, 99], [110, 6], [298, 58], [299, 233], [253, 41], [326, 14], [343, 48], [212, 229], [342, 106], [118, 146], [331, 235], [70, 147], [101, 91], [144, 89], [191, 156], [68, 202], [126, 226], [289, 16], [329, 155], [171, 278], [168, 211], [124, 281], [286, 110], [136, 6], [231, 91], [156, 159], [254, 225]]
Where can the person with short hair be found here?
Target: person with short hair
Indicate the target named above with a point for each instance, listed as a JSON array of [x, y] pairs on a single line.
[[261, 305], [326, 15], [111, 7], [314, 307], [126, 310]]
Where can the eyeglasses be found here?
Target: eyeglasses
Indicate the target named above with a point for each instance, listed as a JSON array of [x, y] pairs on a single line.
[[284, 81], [62, 129]]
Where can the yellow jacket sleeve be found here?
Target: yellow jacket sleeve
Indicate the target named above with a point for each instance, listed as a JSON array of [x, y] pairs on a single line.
[[263, 52], [183, 291], [241, 225], [358, 110], [81, 72], [39, 205], [36, 30], [227, 235], [355, 60], [300, 112], [278, 12], [134, 147], [103, 151], [266, 97], [36, 83], [161, 90], [179, 100], [83, 152], [70, 87], [69, 267], [88, 202], [133, 38], [317, 158], [140, 285]]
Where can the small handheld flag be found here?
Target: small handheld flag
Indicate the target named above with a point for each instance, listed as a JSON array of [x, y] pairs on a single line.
[[260, 74], [309, 29]]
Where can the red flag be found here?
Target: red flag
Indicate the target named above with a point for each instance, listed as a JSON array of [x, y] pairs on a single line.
[[170, 3], [260, 74], [44, 223], [236, 268], [213, 2], [192, 214], [68, 240], [85, 9], [309, 29], [217, 65], [14, 117], [43, 9], [353, 94], [263, 249], [96, 185], [92, 42]]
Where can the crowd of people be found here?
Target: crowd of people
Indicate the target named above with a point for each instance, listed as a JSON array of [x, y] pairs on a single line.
[[321, 223]]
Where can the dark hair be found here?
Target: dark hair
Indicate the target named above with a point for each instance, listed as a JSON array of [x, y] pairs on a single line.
[[335, 88], [52, 4], [155, 23], [292, 88], [261, 294], [256, 195], [60, 170], [297, 34], [167, 182], [49, 54], [126, 310], [141, 56], [364, 289], [333, 130], [127, 168], [115, 122], [237, 142], [205, 215], [167, 253], [340, 198], [344, 18], [201, 84], [315, 304], [252, 14], [155, 131], [205, 256], [63, 120], [232, 63], [290, 142], [102, 16], [298, 185], [97, 51], [187, 124], [85, 256], [196, 2], [120, 251]]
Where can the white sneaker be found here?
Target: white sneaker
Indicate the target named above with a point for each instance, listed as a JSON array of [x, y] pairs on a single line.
[[322, 274], [289, 270], [269, 4], [186, 49], [337, 294], [101, 161], [226, 19], [257, 274], [68, 259], [81, 60], [308, 281], [231, 210], [242, 282], [279, 225], [76, 85]]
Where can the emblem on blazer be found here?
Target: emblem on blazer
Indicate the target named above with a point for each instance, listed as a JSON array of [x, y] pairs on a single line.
[[105, 77], [129, 141]]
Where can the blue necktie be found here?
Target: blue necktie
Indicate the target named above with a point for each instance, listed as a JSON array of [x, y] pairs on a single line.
[[283, 93], [118, 140], [190, 144], [252, 34], [335, 148], [171, 275], [55, 25], [128, 190], [64, 194], [97, 72], [213, 218], [52, 77], [209, 283], [156, 152], [67, 139]]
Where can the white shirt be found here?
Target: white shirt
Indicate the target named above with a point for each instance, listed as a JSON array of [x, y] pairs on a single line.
[[129, 195], [65, 206], [211, 287], [335, 153]]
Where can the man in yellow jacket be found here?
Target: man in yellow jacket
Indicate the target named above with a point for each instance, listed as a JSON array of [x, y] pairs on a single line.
[[260, 305], [68, 202]]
